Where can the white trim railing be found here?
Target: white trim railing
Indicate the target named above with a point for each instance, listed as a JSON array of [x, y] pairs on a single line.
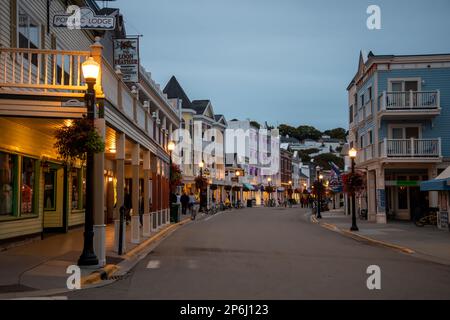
[[409, 100], [42, 70], [366, 154], [411, 148]]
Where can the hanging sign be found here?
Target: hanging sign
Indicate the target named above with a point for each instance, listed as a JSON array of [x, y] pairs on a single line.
[[83, 18], [126, 55]]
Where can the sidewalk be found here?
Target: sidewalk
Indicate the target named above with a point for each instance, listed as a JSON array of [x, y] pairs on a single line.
[[42, 264], [428, 242]]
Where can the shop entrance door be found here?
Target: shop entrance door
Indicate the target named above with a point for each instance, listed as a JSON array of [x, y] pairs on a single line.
[[55, 198]]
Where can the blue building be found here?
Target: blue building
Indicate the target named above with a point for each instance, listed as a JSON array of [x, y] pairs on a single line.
[[399, 116]]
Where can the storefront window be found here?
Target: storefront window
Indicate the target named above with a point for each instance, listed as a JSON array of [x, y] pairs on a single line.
[[75, 177], [27, 185], [403, 198], [8, 164], [50, 190]]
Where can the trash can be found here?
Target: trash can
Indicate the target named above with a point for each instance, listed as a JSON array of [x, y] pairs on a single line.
[[175, 212], [249, 203]]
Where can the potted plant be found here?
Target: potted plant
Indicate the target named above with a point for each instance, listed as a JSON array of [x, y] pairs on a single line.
[[354, 183], [201, 182], [74, 141], [175, 176]]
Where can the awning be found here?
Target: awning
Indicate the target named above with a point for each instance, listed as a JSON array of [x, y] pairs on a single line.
[[248, 187], [440, 183]]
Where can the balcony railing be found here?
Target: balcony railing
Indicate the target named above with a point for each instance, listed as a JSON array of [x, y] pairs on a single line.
[[42, 70], [366, 154], [409, 101], [411, 148]]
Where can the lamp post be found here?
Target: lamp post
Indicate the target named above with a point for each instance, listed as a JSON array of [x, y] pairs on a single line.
[[170, 147], [201, 165], [269, 180], [352, 154], [90, 70], [319, 190]]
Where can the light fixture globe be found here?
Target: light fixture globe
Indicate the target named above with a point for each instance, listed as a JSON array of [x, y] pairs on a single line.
[[201, 164], [171, 146], [90, 69], [352, 153]]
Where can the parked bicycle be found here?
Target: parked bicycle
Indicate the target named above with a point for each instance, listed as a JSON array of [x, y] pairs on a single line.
[[429, 219]]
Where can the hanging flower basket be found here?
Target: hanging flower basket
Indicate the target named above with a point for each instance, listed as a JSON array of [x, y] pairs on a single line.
[[354, 183], [201, 182], [269, 189], [319, 188], [76, 140], [175, 176], [227, 188], [236, 188], [213, 187]]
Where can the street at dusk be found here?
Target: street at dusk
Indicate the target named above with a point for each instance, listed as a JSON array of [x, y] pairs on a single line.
[[271, 254], [224, 158]]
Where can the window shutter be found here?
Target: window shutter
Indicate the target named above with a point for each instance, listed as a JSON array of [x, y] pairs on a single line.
[[13, 23], [42, 42]]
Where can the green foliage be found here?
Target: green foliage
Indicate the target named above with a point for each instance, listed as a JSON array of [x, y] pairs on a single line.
[[337, 133], [75, 141], [305, 154], [255, 124], [323, 160], [308, 132]]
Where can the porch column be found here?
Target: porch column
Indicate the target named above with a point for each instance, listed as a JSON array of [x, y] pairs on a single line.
[[381, 196], [99, 197], [371, 196], [433, 196], [146, 195], [120, 174], [135, 161], [154, 207]]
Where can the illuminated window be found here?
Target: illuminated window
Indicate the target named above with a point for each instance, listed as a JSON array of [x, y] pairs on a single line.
[[8, 165], [27, 199]]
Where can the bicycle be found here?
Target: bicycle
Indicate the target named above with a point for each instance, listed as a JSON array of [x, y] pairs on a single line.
[[429, 219]]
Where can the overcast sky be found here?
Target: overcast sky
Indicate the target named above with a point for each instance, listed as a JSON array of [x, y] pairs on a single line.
[[284, 61]]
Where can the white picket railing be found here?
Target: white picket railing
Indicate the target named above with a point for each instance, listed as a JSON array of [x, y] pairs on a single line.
[[410, 100], [414, 148], [42, 70]]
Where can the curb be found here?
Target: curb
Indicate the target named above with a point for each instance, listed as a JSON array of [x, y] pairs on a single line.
[[107, 271], [359, 237], [99, 275]]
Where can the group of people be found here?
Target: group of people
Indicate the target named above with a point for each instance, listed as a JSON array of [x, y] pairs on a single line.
[[187, 203], [307, 202]]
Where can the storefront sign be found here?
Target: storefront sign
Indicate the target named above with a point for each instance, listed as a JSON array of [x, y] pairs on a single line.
[[83, 18], [381, 197], [402, 183], [443, 219], [126, 55]]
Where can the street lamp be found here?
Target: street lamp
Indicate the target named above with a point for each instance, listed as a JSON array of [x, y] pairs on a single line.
[[319, 190], [352, 154], [201, 165], [269, 180], [90, 70]]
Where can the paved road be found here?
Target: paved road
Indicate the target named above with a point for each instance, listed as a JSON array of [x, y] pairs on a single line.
[[267, 253]]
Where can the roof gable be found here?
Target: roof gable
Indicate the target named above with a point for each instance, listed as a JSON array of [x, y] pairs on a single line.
[[174, 90]]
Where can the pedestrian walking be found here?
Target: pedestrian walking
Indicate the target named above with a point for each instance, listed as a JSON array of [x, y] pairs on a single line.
[[184, 199]]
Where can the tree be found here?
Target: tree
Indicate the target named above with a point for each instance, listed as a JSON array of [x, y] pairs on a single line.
[[324, 160], [308, 132], [287, 130], [255, 124], [337, 133], [305, 154]]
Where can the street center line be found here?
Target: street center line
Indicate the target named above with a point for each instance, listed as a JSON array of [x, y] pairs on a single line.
[[153, 264]]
